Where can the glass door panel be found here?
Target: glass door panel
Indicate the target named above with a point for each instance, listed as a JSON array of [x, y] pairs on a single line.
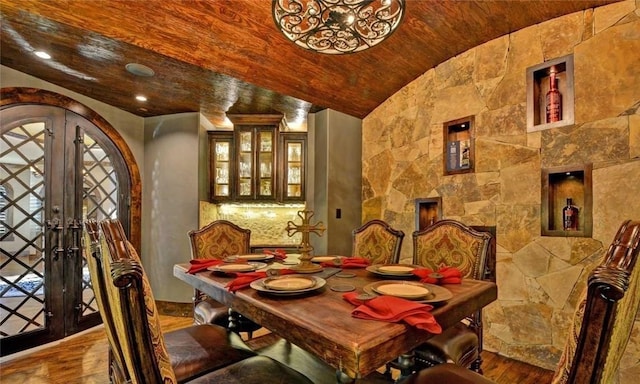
[[294, 166], [245, 164], [265, 159]]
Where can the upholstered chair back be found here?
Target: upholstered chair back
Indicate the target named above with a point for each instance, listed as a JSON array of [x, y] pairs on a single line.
[[377, 242], [218, 240], [604, 319], [95, 264], [453, 244], [134, 311]]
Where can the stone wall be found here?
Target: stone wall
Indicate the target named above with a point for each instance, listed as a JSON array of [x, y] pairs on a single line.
[[267, 222], [539, 277]]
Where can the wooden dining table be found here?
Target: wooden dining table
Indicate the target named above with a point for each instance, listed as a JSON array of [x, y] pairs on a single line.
[[321, 322]]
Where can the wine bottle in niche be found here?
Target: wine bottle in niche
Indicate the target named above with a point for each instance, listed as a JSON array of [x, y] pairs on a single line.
[[554, 98], [570, 216]]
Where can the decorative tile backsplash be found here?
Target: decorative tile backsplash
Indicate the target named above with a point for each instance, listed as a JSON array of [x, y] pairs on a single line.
[[267, 222]]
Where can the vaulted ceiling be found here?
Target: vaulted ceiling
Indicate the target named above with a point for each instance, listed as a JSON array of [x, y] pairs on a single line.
[[227, 56]]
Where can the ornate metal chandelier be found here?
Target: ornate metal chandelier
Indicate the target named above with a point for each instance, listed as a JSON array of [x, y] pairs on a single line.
[[337, 26]]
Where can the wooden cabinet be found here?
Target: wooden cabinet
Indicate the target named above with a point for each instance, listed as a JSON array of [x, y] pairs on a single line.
[[294, 154], [257, 162]]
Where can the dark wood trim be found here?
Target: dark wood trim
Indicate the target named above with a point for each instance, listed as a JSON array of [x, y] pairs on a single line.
[[21, 95]]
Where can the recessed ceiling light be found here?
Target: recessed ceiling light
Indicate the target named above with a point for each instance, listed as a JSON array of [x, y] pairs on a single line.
[[141, 98], [43, 55], [139, 70]]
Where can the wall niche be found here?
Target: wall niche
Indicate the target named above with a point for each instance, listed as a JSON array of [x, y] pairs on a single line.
[[458, 151], [565, 190], [550, 95], [428, 211]]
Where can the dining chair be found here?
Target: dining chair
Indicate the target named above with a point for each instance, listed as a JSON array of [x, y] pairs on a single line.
[[154, 357], [602, 323], [217, 240], [378, 242], [192, 350], [451, 243]]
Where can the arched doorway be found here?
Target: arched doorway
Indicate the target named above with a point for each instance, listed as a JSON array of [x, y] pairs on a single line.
[[62, 163]]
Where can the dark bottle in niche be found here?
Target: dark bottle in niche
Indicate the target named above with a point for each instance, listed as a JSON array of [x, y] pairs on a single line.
[[554, 98], [570, 216]]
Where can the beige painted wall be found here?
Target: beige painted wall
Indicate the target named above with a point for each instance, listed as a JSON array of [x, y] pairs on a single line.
[[539, 277]]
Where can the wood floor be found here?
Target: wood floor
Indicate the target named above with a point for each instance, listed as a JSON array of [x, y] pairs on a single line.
[[83, 359]]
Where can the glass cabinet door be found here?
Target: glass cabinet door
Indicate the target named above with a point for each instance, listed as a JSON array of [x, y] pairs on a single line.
[[294, 153], [245, 164], [221, 165], [265, 159]]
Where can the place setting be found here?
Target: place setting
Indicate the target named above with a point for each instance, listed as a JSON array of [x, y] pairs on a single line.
[[393, 270], [409, 290], [288, 285]]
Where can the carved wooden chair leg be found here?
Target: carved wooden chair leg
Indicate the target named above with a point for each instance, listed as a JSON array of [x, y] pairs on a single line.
[[477, 365]]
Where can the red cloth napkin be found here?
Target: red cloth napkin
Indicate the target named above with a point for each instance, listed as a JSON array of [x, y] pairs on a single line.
[[348, 262], [394, 309], [243, 280], [450, 275], [198, 265], [279, 254]]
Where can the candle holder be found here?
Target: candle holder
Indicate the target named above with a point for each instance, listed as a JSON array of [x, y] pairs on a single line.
[[305, 266]]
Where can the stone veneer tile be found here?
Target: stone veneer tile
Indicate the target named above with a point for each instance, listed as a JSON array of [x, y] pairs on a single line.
[[532, 260], [558, 285], [614, 187], [530, 324], [535, 293], [456, 71], [599, 93], [634, 135], [602, 140], [457, 102], [520, 183], [491, 60], [559, 36], [493, 155], [517, 225], [607, 16], [559, 247], [511, 280], [506, 121]]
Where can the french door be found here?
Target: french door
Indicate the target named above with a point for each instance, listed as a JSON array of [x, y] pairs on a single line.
[[56, 169]]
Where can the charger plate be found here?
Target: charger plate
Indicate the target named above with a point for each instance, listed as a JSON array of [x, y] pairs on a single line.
[[240, 267], [393, 270], [259, 285], [414, 291], [251, 257]]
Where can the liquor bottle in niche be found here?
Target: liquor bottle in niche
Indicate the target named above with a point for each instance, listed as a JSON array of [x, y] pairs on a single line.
[[570, 216], [554, 98]]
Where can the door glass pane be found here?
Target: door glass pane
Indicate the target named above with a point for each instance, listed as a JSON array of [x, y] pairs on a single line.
[[222, 162], [21, 229], [99, 202]]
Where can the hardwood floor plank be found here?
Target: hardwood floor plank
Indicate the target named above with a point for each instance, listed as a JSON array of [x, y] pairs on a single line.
[[83, 359]]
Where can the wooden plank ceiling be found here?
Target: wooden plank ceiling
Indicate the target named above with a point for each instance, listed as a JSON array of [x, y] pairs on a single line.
[[222, 56]]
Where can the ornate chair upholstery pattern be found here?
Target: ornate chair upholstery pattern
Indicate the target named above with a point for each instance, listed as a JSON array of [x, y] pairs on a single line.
[[217, 240], [451, 243], [602, 324], [151, 357], [377, 242]]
